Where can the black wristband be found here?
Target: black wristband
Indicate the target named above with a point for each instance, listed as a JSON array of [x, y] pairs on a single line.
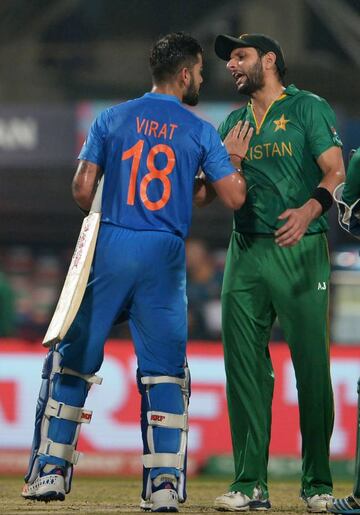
[[324, 197]]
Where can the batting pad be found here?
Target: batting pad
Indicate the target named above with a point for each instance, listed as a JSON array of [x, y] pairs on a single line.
[[77, 276]]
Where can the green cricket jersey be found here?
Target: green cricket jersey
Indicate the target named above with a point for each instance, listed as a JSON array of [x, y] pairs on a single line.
[[280, 166], [351, 192]]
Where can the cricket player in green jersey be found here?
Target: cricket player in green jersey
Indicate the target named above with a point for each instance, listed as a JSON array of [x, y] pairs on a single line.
[[347, 196], [278, 266]]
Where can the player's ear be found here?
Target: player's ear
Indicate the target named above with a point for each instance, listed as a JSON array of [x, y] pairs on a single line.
[[269, 60], [185, 76]]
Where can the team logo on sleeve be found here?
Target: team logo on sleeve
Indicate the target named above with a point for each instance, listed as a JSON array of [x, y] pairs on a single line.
[[280, 124], [335, 135]]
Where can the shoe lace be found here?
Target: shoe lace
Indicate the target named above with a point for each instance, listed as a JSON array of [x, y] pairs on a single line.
[[232, 493], [59, 471], [319, 497]]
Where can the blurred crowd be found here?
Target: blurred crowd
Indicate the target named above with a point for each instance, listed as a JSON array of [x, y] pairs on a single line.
[[31, 280], [30, 283], [204, 280]]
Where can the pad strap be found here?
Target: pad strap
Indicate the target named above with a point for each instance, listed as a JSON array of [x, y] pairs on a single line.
[[59, 450], [89, 378], [150, 380], [61, 410], [163, 459], [163, 419], [57, 369]]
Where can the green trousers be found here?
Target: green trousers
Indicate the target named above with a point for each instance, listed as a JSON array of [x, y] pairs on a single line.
[[262, 281]]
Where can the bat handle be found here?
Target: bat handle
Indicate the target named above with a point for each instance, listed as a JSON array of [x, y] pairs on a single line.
[[96, 204]]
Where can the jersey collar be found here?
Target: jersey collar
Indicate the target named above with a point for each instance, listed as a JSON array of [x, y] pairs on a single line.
[[259, 123], [162, 96], [291, 90]]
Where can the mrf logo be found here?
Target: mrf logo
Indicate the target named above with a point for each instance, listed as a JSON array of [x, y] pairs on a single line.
[[86, 416], [322, 285], [158, 418]]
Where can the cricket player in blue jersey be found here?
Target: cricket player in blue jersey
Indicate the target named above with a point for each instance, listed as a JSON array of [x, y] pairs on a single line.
[[149, 150]]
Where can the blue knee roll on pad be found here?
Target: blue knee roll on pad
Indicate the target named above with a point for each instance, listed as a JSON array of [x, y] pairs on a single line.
[[59, 415], [164, 427]]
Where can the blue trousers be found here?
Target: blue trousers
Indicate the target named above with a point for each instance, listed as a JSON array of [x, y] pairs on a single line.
[[141, 274]]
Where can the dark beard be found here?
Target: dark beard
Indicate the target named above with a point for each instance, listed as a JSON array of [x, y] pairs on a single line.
[[191, 97], [255, 80]]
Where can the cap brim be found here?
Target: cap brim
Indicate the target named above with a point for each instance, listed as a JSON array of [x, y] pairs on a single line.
[[224, 45]]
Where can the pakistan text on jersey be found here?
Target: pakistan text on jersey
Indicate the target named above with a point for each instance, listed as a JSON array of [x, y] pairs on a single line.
[[264, 150], [154, 128]]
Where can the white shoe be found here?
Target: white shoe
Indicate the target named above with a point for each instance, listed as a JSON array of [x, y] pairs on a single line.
[[237, 501], [232, 501], [47, 487], [164, 496], [145, 504], [317, 503], [165, 500]]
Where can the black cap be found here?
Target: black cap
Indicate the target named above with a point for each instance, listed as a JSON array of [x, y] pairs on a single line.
[[224, 45]]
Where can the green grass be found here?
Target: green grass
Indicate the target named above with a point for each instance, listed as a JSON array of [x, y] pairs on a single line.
[[98, 496]]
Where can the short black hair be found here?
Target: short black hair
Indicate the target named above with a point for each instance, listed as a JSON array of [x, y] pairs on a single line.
[[171, 53]]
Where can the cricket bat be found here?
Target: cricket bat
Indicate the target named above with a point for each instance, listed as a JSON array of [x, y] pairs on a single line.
[[78, 274]]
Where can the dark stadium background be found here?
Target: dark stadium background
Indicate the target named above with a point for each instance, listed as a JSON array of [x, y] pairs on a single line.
[[61, 61]]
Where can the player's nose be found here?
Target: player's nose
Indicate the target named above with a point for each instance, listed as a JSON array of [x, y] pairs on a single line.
[[231, 65]]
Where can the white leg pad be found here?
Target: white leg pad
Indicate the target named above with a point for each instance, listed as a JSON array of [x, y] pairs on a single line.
[[169, 420], [61, 410], [163, 419], [163, 459], [59, 450]]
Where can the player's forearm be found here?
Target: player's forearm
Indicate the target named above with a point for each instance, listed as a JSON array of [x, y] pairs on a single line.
[[318, 205], [204, 193], [231, 190], [84, 184], [331, 180], [332, 167], [313, 209], [321, 200], [83, 202], [351, 192]]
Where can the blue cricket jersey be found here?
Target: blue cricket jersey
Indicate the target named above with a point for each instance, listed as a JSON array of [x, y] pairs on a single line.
[[150, 149]]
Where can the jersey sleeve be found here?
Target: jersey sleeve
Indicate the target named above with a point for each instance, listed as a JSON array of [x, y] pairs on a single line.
[[351, 192], [215, 161], [94, 145], [320, 125]]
